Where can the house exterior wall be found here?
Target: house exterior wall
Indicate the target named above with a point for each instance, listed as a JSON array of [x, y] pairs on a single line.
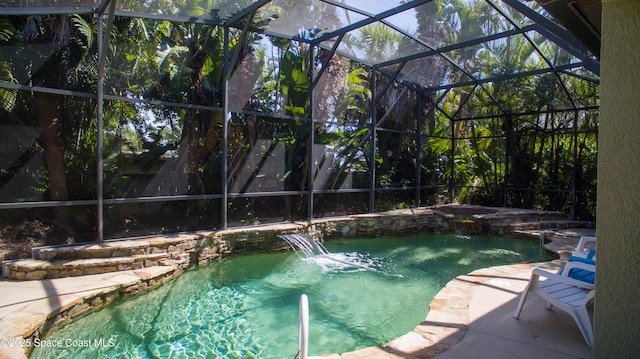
[[617, 305]]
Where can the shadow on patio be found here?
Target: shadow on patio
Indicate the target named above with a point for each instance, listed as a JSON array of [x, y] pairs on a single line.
[[472, 317]]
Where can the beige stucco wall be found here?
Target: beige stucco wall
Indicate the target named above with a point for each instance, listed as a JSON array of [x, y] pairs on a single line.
[[617, 308]]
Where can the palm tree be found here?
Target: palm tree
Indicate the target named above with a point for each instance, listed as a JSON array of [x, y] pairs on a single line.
[[7, 96]]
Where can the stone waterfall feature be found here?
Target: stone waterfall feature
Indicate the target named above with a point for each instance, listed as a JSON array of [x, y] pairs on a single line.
[[304, 243]]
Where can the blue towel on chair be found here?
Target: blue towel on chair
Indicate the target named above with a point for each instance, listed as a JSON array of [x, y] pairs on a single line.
[[583, 274]]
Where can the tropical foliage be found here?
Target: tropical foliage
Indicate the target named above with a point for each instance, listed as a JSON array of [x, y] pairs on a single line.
[[301, 120]]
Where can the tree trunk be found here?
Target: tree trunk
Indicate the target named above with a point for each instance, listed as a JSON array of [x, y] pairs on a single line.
[[50, 125]]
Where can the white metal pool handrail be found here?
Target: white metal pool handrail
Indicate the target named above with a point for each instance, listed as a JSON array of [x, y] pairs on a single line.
[[303, 327]]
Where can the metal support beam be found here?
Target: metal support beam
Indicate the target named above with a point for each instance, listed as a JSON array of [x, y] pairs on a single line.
[[392, 78], [332, 52], [419, 126], [104, 5], [574, 170], [406, 6], [239, 46], [100, 139], [463, 103], [540, 53], [173, 18], [225, 131], [103, 46], [372, 160], [555, 33], [508, 122], [452, 163], [505, 77], [246, 11], [310, 154], [457, 46], [46, 10], [588, 63]]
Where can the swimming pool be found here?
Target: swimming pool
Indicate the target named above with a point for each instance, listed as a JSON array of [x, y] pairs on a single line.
[[366, 292]]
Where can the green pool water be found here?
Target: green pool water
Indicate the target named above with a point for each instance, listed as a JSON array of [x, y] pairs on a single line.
[[366, 292]]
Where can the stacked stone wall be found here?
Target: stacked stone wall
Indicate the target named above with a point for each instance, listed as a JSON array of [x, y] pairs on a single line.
[[198, 248]]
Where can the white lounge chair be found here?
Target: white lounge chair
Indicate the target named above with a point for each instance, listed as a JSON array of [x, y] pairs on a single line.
[[567, 294], [585, 253], [585, 249]]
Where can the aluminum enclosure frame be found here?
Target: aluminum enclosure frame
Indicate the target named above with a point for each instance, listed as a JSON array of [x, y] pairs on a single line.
[[106, 10]]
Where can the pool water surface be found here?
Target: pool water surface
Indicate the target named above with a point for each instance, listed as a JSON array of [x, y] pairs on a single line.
[[365, 292]]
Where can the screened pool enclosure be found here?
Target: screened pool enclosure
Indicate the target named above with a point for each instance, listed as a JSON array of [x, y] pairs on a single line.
[[127, 117]]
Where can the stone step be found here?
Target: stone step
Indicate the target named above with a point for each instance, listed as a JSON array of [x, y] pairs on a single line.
[[34, 269], [109, 249], [511, 228], [531, 215], [119, 248]]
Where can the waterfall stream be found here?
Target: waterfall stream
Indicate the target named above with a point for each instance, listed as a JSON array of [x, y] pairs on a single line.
[[305, 243], [315, 252]]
